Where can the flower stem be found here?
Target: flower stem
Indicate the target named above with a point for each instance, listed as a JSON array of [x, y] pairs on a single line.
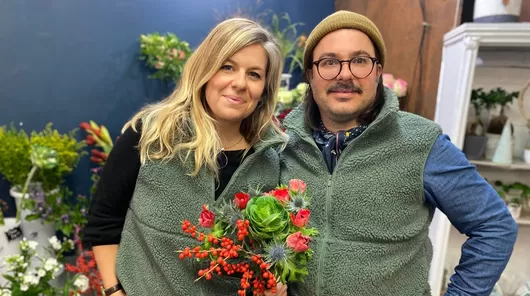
[[24, 190]]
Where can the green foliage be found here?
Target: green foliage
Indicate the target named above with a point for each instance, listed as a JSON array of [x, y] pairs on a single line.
[[69, 152], [34, 277], [515, 193], [15, 155], [291, 45], [477, 99], [57, 208], [164, 53], [15, 149], [280, 25], [499, 97]]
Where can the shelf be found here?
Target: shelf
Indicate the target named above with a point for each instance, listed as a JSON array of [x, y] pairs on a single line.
[[491, 34], [524, 219], [516, 165]]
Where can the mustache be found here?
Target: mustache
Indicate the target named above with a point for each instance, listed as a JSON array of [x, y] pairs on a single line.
[[345, 86]]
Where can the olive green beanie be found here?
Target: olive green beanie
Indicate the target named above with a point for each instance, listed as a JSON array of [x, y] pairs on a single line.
[[343, 19]]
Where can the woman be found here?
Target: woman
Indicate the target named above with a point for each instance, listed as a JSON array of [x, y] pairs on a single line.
[[211, 138]]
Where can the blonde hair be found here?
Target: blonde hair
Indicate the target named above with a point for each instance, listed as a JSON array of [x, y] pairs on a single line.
[[180, 124]]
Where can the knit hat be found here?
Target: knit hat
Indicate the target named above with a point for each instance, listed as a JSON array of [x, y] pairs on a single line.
[[343, 19]]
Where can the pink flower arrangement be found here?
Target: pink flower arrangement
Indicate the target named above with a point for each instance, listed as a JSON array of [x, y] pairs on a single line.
[[398, 86]]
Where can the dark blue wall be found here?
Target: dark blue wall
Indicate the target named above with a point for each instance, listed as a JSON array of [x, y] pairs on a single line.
[[67, 61]]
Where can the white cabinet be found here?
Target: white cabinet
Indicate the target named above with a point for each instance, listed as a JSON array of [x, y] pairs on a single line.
[[461, 48]]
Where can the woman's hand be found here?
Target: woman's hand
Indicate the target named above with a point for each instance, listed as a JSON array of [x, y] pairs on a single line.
[[281, 290]]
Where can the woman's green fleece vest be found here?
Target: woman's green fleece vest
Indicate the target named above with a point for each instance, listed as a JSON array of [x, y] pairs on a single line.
[[370, 212], [164, 196]]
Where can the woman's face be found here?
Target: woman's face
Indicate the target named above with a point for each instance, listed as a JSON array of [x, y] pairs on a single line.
[[233, 93]]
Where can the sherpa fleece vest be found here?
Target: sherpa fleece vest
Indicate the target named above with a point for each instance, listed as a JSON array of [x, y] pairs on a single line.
[[164, 196], [370, 211]]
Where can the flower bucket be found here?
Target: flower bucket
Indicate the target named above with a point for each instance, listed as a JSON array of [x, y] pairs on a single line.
[[34, 230], [10, 237]]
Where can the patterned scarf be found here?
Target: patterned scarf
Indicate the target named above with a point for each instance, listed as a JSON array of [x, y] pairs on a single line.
[[332, 144]]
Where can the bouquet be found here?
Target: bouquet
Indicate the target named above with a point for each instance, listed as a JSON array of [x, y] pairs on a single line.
[[263, 238]]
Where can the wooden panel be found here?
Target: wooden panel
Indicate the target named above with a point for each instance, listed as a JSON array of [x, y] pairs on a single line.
[[525, 11], [400, 23]]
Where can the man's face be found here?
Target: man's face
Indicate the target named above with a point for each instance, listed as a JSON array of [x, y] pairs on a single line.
[[343, 98]]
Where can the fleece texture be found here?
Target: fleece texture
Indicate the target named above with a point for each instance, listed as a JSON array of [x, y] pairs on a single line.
[[370, 211], [165, 195]]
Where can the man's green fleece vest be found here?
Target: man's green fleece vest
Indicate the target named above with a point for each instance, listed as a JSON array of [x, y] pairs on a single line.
[[370, 212], [147, 263]]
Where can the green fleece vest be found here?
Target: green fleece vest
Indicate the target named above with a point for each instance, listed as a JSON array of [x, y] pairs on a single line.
[[147, 263], [370, 212]]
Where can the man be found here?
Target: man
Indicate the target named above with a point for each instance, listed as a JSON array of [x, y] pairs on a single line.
[[377, 174]]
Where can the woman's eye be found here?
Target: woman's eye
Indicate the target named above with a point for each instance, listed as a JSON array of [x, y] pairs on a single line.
[[255, 75], [227, 67]]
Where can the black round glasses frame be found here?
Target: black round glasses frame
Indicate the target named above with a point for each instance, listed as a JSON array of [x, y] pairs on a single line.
[[317, 62]]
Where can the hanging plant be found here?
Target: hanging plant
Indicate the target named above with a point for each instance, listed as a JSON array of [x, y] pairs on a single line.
[[165, 54]]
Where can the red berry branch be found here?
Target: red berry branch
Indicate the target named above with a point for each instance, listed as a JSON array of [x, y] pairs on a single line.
[[222, 252]]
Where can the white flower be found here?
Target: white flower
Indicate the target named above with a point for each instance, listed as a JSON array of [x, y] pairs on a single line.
[[51, 264], [56, 244], [71, 245], [31, 280], [32, 245], [41, 272], [26, 245], [81, 283], [5, 292], [24, 287]]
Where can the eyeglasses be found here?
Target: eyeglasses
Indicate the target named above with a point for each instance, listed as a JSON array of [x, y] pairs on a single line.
[[360, 67]]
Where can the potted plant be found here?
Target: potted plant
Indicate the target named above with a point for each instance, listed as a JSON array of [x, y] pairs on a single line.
[[59, 210], [515, 207], [475, 140], [68, 150], [15, 162], [497, 97], [291, 44]]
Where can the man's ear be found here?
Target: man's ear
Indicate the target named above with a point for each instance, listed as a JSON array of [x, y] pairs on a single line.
[[379, 70]]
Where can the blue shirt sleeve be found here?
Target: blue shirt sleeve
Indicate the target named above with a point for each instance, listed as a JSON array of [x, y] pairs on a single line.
[[472, 205]]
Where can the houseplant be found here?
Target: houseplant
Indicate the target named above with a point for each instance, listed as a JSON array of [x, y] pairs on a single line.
[[36, 168], [15, 156], [165, 54], [496, 98], [59, 210], [476, 140], [291, 44], [15, 162]]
